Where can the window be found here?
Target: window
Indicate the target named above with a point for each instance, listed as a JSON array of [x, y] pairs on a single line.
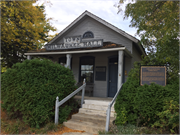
[[87, 69], [88, 34]]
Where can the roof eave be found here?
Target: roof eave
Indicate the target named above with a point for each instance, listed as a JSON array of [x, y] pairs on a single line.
[[82, 51]]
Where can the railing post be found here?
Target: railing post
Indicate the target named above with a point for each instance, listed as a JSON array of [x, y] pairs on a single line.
[[29, 57], [108, 118], [82, 98], [56, 110]]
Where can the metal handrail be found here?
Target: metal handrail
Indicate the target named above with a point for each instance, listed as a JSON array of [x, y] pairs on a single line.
[[109, 109], [57, 104]]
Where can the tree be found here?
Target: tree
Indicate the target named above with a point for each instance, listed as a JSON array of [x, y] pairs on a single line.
[[157, 24], [24, 27]]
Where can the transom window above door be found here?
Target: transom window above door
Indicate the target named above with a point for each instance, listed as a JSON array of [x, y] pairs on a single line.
[[87, 69]]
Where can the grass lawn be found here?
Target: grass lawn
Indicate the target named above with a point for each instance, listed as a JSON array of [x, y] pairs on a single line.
[[131, 129]]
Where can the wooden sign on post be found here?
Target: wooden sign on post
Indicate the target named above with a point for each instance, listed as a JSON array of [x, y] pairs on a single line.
[[153, 74]]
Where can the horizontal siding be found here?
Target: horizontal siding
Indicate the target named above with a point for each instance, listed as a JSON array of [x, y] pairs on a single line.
[[136, 56], [101, 59], [100, 32]]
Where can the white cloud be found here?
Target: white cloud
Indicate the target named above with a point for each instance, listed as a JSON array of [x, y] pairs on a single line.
[[64, 12]]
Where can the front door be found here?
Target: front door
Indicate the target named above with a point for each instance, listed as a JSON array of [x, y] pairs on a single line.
[[113, 71]]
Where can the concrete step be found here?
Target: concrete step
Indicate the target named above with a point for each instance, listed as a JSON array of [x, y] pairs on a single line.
[[98, 102], [95, 112], [97, 107], [84, 126], [96, 119]]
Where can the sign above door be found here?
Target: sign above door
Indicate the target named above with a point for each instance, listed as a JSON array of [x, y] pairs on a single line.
[[74, 42]]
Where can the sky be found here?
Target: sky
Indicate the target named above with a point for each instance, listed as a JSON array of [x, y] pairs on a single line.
[[64, 12]]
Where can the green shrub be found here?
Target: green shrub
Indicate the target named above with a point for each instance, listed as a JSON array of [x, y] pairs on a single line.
[[126, 100], [149, 100], [142, 103], [29, 90], [169, 117], [121, 119]]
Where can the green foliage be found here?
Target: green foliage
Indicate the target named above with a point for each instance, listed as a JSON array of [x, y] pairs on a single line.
[[169, 117], [122, 129], [157, 24], [149, 100], [29, 91], [14, 128], [65, 111], [19, 127], [128, 129], [154, 20], [121, 119], [126, 100], [24, 27], [142, 103]]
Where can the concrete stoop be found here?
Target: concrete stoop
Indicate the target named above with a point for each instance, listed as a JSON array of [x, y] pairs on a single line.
[[91, 117]]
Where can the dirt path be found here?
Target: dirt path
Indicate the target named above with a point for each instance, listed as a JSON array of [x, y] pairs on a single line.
[[65, 130], [60, 131]]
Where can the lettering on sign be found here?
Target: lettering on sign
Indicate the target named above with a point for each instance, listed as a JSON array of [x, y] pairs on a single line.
[[75, 42], [153, 74], [72, 40]]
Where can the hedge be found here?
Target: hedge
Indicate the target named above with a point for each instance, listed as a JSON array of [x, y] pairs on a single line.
[[29, 90]]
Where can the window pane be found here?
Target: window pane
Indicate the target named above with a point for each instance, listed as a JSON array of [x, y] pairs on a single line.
[[86, 73], [83, 67], [87, 65], [83, 73]]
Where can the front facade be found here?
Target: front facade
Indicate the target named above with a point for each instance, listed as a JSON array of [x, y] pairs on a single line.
[[95, 50]]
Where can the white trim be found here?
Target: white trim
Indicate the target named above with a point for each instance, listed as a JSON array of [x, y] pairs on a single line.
[[82, 51], [120, 69]]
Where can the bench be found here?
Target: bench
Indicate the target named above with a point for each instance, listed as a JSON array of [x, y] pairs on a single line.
[[88, 89]]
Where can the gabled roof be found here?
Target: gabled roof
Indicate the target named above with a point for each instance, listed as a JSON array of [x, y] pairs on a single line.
[[87, 13]]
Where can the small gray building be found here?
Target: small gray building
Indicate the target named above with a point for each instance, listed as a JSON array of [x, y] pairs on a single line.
[[96, 50]]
